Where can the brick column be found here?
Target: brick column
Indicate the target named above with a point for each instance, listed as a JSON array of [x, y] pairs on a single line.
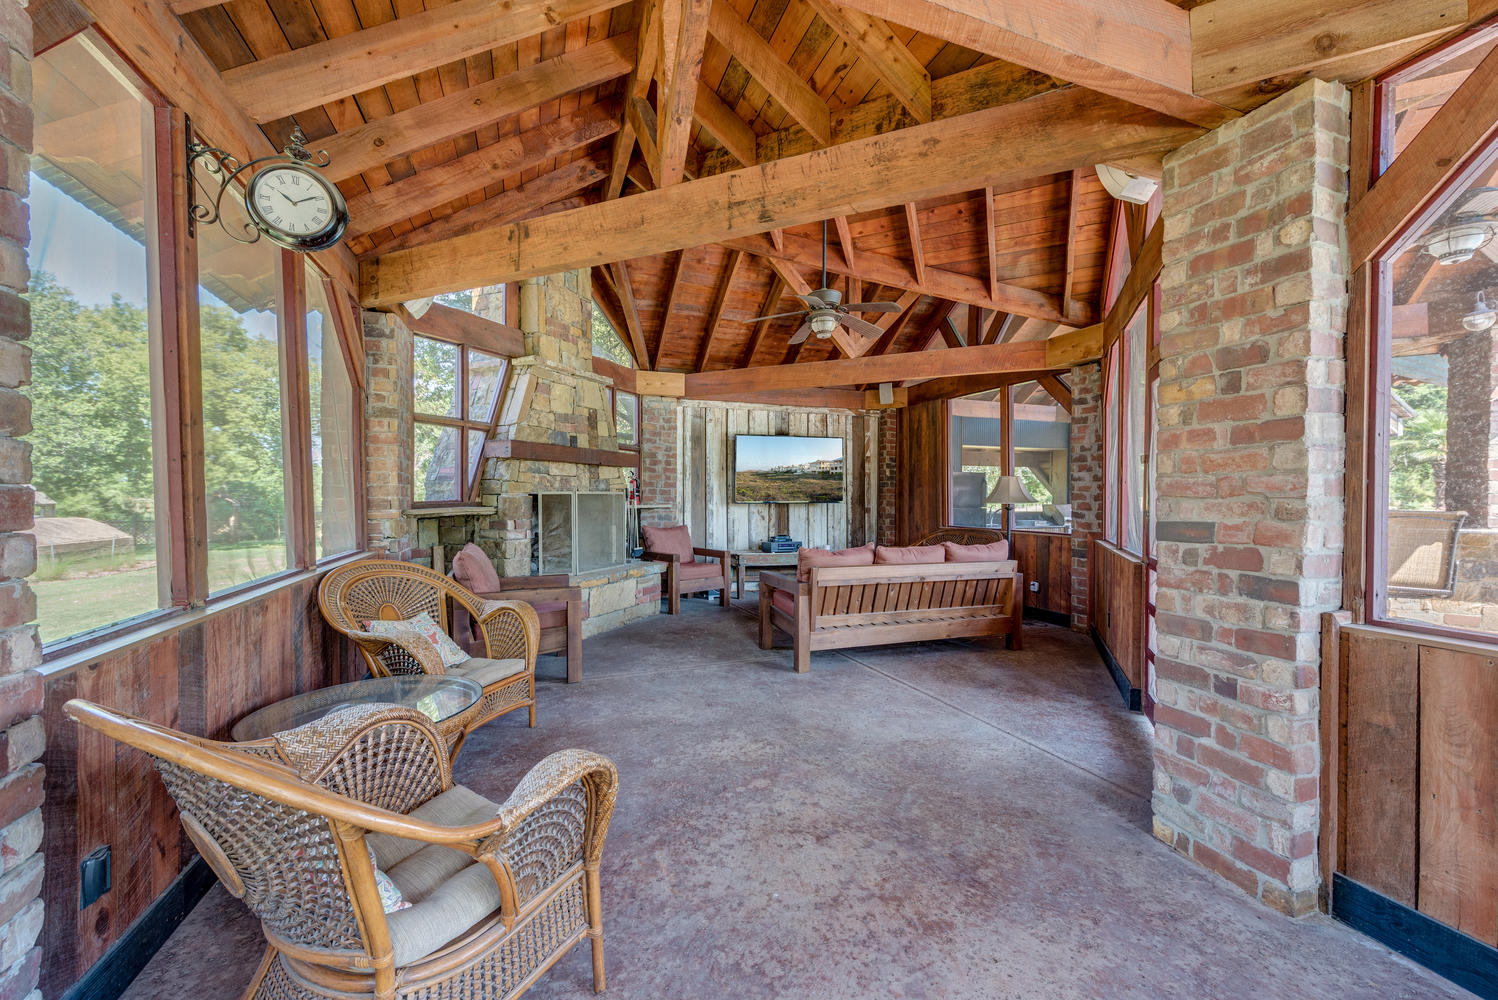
[[1472, 428], [21, 736], [389, 434], [659, 417], [889, 468], [1086, 482], [1250, 467]]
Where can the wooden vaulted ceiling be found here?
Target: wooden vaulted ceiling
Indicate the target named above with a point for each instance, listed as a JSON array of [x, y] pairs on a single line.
[[449, 119]]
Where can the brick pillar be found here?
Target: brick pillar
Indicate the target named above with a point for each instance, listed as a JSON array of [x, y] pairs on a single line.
[[21, 736], [1250, 467], [1472, 428], [389, 434], [659, 418], [889, 463], [1086, 482]]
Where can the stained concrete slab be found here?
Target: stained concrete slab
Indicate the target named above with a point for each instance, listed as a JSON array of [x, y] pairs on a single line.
[[936, 820]]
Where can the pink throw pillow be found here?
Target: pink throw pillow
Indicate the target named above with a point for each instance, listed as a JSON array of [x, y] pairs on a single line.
[[987, 552], [675, 540], [862, 555], [909, 554], [472, 568]]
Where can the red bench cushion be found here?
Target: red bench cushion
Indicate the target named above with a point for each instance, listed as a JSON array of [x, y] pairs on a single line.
[[907, 554], [785, 601], [862, 555], [472, 568], [699, 571], [673, 541], [987, 552]]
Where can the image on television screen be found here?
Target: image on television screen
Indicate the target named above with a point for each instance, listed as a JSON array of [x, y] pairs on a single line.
[[781, 469]]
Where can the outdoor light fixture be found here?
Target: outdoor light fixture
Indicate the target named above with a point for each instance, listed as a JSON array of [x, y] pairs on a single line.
[[886, 393], [1457, 242], [823, 325], [1482, 316], [1125, 185]]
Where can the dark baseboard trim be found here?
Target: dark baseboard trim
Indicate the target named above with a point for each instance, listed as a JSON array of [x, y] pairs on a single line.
[[1132, 696], [1048, 616], [1464, 960], [111, 975]]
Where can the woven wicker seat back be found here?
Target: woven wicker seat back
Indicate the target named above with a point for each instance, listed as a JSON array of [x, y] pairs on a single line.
[[962, 536]]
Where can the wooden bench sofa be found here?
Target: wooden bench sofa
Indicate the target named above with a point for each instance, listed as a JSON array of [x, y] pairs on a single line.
[[837, 607]]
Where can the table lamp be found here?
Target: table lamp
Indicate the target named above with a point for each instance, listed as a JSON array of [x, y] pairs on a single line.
[[1009, 490]]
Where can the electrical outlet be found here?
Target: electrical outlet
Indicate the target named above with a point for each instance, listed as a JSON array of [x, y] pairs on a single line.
[[93, 877], [1034, 586]]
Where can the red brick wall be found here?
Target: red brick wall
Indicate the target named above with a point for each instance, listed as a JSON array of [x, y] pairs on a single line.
[[1086, 480], [659, 419], [21, 735], [389, 430], [1250, 466], [889, 461]]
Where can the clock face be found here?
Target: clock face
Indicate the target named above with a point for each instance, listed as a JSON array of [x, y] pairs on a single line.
[[296, 207]]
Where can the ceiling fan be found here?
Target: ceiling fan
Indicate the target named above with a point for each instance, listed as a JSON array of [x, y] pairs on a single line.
[[828, 311]]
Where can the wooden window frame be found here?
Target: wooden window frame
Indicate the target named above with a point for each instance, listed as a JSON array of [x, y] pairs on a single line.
[[613, 394], [469, 480]]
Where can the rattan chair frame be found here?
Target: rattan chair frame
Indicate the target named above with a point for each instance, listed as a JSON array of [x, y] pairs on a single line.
[[320, 957], [391, 590]]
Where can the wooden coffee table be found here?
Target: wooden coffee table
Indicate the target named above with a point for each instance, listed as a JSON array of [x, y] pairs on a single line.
[[754, 557]]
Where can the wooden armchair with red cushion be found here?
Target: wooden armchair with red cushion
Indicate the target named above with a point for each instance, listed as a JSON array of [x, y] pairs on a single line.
[[684, 575], [557, 604]]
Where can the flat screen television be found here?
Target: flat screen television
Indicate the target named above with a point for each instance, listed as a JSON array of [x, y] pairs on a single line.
[[786, 469]]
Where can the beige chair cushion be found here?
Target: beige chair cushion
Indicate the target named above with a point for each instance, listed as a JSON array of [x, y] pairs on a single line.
[[487, 672], [448, 891]]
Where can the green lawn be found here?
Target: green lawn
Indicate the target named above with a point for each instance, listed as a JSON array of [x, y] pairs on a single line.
[[68, 602]]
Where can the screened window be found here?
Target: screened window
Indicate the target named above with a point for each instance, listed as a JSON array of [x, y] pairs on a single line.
[[1410, 98], [1042, 458], [1111, 426], [333, 419], [97, 453], [1035, 448], [1131, 499], [455, 391], [244, 419], [489, 302], [607, 343], [627, 419]]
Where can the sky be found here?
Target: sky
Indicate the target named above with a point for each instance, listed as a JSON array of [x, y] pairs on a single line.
[[756, 452]]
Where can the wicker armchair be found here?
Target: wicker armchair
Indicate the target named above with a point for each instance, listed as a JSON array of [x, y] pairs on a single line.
[[296, 825], [394, 591]]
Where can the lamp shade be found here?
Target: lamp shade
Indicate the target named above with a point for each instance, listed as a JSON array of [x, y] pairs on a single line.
[[1009, 489]]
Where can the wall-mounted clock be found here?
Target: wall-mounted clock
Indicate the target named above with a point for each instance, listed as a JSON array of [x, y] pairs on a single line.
[[296, 206]]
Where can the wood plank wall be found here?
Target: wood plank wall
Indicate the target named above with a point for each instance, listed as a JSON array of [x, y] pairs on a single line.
[[921, 479], [1044, 558], [1414, 776], [201, 679], [1118, 602], [706, 453]]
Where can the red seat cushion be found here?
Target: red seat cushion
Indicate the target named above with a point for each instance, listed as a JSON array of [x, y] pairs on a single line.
[[550, 606], [862, 555], [907, 554], [675, 540], [784, 600], [699, 571], [987, 552], [472, 568]]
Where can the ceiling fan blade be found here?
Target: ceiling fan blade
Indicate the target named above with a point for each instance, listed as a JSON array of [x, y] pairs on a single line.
[[801, 334], [812, 301], [873, 307], [760, 319], [862, 326]]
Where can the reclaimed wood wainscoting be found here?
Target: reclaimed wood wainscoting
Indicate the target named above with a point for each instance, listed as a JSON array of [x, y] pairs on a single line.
[[1409, 836], [1044, 559], [1118, 599], [199, 676]]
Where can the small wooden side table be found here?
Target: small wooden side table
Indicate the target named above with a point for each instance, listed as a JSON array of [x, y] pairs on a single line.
[[450, 702], [754, 557]]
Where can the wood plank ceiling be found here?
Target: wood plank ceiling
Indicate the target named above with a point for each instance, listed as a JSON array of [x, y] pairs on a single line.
[[506, 118]]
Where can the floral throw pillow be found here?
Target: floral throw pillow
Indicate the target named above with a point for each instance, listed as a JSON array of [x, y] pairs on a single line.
[[390, 894], [422, 624]]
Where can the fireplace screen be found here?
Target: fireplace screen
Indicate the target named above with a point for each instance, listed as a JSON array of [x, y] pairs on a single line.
[[579, 532]]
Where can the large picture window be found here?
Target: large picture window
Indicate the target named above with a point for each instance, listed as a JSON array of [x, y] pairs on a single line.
[[455, 391], [101, 531], [333, 417], [1036, 447]]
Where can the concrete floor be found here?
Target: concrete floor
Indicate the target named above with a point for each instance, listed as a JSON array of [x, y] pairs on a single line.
[[942, 820]]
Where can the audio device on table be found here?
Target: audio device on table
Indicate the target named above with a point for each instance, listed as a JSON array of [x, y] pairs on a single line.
[[780, 543]]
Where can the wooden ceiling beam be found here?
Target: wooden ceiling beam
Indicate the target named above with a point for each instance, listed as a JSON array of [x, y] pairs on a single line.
[[508, 206], [872, 38], [625, 292], [715, 313], [684, 29], [458, 326], [437, 186], [772, 302], [917, 252], [965, 385], [893, 323], [323, 72], [641, 118], [883, 270], [1136, 50], [369, 146], [1044, 135], [672, 290], [722, 123], [767, 68], [647, 50], [1058, 389], [994, 359], [1069, 274], [991, 244]]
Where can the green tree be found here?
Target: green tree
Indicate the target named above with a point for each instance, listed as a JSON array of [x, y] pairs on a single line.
[[606, 342], [1417, 455]]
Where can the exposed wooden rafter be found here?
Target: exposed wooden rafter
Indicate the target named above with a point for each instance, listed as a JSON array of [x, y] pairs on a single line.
[[872, 38], [625, 293], [723, 124], [1073, 192], [672, 290], [720, 299], [772, 301], [765, 65], [917, 250], [684, 30]]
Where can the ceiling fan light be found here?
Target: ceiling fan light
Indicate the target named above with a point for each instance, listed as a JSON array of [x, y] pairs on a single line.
[[1456, 243], [823, 325]]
